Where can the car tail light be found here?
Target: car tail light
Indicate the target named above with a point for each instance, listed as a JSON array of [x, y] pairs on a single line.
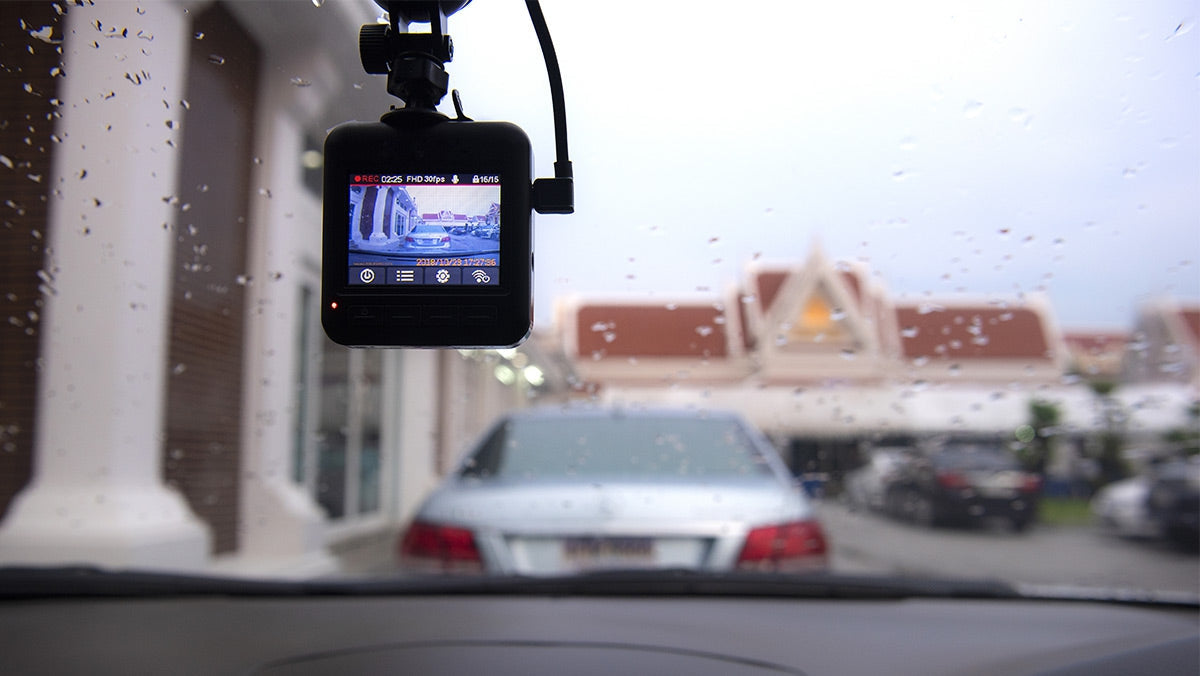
[[409, 240], [437, 548], [1031, 483], [953, 480], [799, 545], [446, 240]]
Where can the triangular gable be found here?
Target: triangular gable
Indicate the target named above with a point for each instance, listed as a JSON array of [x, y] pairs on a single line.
[[817, 310]]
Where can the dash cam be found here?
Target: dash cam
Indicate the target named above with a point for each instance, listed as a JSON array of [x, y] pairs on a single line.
[[427, 233]]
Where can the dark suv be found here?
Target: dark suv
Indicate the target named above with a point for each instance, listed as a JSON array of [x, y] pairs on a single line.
[[963, 484], [1173, 501]]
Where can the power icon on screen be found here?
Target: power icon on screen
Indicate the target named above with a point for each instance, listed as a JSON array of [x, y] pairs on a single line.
[[367, 275]]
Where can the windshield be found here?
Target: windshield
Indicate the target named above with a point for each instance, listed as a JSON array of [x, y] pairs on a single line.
[[807, 231]]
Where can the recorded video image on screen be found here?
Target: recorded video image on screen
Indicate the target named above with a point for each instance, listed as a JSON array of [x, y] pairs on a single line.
[[427, 229]]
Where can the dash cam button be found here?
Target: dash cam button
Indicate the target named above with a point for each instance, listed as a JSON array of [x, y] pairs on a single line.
[[403, 315], [443, 276], [439, 315], [405, 275], [365, 316], [479, 315], [366, 275], [487, 276]]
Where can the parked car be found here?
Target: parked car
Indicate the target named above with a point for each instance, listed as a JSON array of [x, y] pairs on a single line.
[[964, 484], [428, 236], [552, 490], [1173, 500], [1122, 508], [866, 485]]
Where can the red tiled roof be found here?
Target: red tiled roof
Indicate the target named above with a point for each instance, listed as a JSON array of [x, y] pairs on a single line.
[[1191, 319], [1098, 342], [972, 333], [769, 283], [652, 331]]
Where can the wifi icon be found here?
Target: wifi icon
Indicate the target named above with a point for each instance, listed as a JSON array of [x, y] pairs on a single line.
[[481, 277]]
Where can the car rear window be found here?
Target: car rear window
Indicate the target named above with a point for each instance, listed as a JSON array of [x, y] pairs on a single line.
[[973, 460], [631, 448]]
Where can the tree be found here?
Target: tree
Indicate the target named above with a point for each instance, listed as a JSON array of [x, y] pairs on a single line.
[[1037, 437], [1108, 453]]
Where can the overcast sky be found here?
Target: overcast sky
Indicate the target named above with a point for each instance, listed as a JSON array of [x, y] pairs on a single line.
[[995, 150]]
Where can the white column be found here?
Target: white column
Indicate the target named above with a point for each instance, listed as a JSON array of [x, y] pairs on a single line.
[[356, 219], [381, 199], [283, 529], [97, 494]]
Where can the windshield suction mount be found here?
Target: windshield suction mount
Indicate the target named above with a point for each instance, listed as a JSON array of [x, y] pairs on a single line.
[[415, 65]]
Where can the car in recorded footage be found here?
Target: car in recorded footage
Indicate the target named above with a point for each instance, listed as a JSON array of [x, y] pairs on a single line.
[[568, 490], [428, 236]]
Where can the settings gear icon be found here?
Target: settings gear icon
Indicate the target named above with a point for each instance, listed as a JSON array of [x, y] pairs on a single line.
[[442, 276]]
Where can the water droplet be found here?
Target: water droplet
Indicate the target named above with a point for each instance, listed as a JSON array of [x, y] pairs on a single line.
[[179, 369], [6, 161], [300, 82], [972, 109], [704, 331], [199, 35], [929, 308], [318, 3], [216, 59], [1183, 28], [1021, 116]]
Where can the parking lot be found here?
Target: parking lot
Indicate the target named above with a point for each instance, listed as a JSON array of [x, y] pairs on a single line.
[[870, 543]]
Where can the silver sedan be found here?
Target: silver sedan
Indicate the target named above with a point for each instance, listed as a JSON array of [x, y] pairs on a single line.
[[564, 490]]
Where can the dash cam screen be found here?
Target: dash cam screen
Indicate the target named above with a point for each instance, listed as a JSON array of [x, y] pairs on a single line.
[[424, 230]]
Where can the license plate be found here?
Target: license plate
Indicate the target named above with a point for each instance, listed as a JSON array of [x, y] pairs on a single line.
[[608, 552]]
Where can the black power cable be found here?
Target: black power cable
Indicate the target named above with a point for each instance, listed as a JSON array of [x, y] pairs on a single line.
[[553, 195]]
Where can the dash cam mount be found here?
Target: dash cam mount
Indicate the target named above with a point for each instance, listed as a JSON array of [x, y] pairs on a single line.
[[415, 63], [427, 235]]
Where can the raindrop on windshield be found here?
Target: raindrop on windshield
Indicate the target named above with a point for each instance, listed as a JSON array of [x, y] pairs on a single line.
[[216, 59]]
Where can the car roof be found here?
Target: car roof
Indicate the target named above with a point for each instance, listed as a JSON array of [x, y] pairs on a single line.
[[583, 412]]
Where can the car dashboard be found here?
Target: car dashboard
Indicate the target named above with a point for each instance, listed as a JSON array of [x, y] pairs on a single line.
[[697, 625]]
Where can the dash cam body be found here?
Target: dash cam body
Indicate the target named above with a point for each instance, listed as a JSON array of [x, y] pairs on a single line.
[[427, 235]]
